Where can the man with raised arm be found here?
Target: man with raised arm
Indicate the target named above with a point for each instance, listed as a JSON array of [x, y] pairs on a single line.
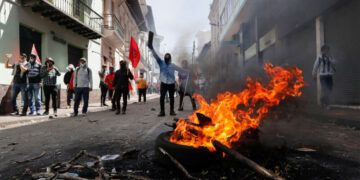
[[167, 79]]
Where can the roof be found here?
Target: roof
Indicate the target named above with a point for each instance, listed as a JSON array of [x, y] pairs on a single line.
[[135, 10], [150, 20]]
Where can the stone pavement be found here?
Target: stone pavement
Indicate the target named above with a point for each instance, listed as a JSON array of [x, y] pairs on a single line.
[[104, 133], [100, 133], [7, 122]]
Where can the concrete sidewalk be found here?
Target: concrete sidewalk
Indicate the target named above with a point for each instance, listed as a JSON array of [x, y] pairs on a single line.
[[7, 122]]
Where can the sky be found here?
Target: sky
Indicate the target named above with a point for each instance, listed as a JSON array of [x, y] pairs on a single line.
[[178, 21]]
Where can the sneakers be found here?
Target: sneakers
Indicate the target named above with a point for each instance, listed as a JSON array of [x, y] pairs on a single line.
[[15, 113], [46, 113], [172, 113], [31, 112], [123, 112], [23, 113], [161, 114], [38, 112], [68, 107], [105, 104], [180, 109], [55, 113], [84, 114], [117, 112], [73, 114]]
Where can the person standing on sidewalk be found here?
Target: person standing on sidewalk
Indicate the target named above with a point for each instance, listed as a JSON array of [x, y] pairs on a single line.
[[68, 80], [325, 65], [142, 87], [20, 82], [83, 84], [103, 86], [35, 84], [121, 83], [109, 79], [167, 78], [49, 73], [186, 81]]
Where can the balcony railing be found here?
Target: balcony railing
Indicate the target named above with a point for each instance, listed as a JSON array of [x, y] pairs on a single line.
[[111, 22], [80, 11]]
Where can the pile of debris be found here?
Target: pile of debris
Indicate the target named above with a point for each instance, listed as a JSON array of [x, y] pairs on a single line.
[[100, 168]]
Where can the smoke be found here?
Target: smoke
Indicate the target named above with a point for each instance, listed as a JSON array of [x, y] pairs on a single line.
[[183, 47], [226, 72]]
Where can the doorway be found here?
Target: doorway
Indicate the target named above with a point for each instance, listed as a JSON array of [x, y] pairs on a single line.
[[28, 37], [74, 55]]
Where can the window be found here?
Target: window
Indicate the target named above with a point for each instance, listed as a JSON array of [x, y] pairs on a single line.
[[76, 6]]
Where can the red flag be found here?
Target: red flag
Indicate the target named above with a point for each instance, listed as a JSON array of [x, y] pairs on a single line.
[[33, 51], [134, 53]]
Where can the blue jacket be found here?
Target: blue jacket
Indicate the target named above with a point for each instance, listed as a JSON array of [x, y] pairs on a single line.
[[167, 72]]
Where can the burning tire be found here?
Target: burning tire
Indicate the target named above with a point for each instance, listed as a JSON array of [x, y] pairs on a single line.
[[190, 157]]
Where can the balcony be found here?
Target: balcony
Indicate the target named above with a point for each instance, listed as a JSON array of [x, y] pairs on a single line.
[[112, 23], [114, 32], [74, 14]]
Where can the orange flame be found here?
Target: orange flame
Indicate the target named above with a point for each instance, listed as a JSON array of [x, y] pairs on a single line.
[[231, 113]]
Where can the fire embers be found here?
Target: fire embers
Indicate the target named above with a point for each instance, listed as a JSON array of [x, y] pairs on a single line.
[[225, 118]]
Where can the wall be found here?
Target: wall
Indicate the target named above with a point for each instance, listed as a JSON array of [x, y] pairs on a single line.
[[342, 27]]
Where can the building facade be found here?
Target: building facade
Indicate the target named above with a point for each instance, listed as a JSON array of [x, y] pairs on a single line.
[[65, 30], [122, 20], [260, 31]]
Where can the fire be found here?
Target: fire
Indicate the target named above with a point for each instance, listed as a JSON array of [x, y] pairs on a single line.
[[232, 113]]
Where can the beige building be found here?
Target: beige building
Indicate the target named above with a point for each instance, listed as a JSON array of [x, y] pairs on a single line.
[[124, 19]]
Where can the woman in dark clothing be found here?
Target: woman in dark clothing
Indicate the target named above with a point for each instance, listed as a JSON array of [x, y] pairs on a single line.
[[121, 84]]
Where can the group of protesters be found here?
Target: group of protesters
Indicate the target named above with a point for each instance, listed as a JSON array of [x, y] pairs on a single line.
[[30, 76]]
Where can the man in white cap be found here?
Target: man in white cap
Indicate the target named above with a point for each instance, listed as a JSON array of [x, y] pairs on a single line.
[[83, 84], [49, 73]]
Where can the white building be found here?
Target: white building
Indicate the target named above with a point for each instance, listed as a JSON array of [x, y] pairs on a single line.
[[65, 30]]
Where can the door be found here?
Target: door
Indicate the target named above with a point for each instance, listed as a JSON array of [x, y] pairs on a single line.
[[28, 37], [74, 55]]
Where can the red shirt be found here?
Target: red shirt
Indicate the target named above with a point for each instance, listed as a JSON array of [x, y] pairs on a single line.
[[109, 80], [71, 83]]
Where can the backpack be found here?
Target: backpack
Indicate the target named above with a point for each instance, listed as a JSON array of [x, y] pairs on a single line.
[[67, 77]]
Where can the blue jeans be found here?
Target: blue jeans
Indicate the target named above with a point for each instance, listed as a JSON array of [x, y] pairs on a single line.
[[34, 90], [84, 93], [16, 89]]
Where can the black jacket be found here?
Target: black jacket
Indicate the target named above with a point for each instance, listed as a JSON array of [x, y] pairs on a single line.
[[67, 77], [121, 79]]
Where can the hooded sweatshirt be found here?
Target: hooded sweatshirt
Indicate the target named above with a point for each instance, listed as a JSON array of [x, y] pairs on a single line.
[[167, 71], [83, 77], [121, 79]]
